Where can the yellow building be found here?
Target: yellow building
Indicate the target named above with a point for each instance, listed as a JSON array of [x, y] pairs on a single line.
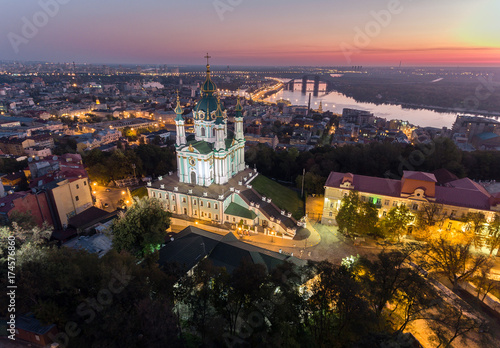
[[455, 197], [70, 197]]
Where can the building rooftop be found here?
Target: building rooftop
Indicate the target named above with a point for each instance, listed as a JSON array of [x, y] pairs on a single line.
[[193, 244]]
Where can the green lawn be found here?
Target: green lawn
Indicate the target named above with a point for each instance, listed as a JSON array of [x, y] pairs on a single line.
[[282, 196], [140, 192]]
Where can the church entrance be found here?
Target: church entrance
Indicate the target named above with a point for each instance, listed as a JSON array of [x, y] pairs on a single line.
[[193, 177]]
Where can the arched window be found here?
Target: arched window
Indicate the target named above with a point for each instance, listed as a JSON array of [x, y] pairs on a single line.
[[213, 132], [202, 131]]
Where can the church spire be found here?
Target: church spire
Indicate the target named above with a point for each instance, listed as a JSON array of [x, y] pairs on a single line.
[[219, 116], [238, 108], [178, 109], [208, 86]]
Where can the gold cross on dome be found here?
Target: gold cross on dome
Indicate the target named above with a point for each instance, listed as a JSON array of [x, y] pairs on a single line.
[[207, 57]]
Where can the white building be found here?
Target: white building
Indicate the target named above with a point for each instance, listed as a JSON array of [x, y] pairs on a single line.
[[212, 182]]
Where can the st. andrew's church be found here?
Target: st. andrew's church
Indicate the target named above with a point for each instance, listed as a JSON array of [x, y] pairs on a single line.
[[212, 182], [214, 155]]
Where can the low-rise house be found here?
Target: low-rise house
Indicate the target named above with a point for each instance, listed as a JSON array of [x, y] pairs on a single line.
[[31, 330]]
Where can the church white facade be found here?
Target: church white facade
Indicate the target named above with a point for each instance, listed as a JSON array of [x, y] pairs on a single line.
[[212, 182], [214, 155]]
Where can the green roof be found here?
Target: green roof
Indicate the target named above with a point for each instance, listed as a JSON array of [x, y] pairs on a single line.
[[237, 210], [202, 146]]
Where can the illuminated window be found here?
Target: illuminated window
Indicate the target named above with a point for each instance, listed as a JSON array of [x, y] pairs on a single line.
[[394, 204], [386, 202], [209, 215]]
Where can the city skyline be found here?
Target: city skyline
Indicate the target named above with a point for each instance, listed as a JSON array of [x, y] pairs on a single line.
[[238, 32]]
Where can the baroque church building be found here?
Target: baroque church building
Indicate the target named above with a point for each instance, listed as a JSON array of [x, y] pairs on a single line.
[[212, 182], [214, 155]]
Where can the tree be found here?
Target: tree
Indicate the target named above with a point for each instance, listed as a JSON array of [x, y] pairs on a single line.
[[395, 222], [336, 304], [454, 259], [475, 222], [452, 322], [493, 238], [429, 215], [347, 217], [355, 216], [141, 229]]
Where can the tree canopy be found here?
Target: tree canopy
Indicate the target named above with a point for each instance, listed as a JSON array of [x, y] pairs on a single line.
[[141, 229]]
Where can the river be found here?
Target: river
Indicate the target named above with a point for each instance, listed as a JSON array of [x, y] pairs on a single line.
[[335, 102]]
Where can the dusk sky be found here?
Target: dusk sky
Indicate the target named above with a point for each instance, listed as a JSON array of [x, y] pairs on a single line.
[[254, 32]]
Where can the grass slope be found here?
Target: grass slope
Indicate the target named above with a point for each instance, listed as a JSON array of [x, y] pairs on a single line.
[[140, 192], [282, 196]]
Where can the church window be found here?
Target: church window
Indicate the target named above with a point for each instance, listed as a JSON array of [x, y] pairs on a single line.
[[234, 220], [209, 215], [173, 197], [201, 203], [195, 212], [216, 206], [216, 217], [194, 201], [202, 131], [185, 211], [331, 214], [213, 132], [159, 195], [154, 194], [208, 204], [183, 199]]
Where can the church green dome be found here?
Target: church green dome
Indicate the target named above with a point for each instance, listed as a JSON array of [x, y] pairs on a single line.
[[208, 102]]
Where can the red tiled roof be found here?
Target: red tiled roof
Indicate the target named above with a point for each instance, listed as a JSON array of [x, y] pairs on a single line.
[[462, 192], [6, 202], [408, 174], [369, 184]]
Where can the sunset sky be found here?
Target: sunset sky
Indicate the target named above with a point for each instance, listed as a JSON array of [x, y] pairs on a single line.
[[254, 32]]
